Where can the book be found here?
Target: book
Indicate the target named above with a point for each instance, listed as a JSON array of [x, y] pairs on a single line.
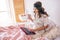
[[27, 31]]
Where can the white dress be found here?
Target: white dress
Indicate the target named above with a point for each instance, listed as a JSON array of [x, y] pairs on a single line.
[[51, 32]]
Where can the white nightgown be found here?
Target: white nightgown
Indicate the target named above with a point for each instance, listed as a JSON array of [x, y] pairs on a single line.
[[51, 32]]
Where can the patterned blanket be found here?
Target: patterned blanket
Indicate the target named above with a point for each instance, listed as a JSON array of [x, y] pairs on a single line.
[[13, 33]]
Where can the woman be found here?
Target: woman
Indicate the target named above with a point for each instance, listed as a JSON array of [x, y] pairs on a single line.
[[43, 26]]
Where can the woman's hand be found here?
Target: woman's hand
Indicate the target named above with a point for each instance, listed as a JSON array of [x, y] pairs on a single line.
[[29, 17]]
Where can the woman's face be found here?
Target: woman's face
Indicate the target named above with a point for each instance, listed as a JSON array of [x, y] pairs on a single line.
[[35, 10]]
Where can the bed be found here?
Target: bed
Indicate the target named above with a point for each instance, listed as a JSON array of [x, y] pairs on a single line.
[[13, 33]]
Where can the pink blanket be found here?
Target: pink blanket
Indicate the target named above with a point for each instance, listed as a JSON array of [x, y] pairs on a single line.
[[13, 33]]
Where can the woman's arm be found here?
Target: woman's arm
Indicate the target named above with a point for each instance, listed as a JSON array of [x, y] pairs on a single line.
[[40, 28]]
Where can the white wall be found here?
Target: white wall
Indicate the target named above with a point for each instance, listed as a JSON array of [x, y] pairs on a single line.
[[51, 6], [5, 14]]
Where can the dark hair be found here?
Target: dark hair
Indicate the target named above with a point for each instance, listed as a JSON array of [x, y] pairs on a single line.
[[41, 10]]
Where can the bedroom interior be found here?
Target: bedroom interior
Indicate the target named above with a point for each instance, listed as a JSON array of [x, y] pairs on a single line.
[[12, 17]]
